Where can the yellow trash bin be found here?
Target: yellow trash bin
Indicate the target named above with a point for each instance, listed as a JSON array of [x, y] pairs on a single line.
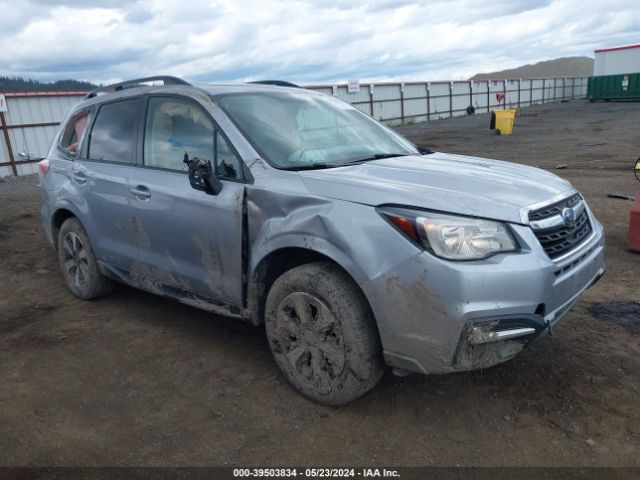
[[502, 121]]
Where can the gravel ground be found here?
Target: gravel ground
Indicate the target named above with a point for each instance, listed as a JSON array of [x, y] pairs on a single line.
[[11, 187], [134, 379]]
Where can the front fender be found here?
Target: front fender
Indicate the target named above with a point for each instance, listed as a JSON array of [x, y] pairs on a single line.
[[313, 243], [352, 235]]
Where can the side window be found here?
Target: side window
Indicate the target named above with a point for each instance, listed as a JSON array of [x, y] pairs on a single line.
[[73, 132], [227, 163], [178, 130], [112, 135]]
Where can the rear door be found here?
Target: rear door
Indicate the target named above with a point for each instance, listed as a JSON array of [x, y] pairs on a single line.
[[101, 175], [186, 238]]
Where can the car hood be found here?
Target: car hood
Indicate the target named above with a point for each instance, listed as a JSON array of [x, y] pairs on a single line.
[[439, 181]]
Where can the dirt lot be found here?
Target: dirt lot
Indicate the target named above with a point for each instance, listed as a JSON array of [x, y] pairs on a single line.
[[134, 379]]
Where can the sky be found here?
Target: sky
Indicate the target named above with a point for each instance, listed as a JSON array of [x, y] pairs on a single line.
[[306, 41]]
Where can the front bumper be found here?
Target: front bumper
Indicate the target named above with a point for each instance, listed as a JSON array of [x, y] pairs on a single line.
[[432, 312]]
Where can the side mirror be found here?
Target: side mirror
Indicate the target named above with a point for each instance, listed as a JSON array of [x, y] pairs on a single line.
[[424, 151], [203, 178]]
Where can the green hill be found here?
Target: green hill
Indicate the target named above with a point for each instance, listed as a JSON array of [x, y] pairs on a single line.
[[19, 84], [559, 67]]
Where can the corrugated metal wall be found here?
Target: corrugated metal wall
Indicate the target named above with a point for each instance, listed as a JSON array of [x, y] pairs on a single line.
[[616, 61], [32, 121], [396, 103]]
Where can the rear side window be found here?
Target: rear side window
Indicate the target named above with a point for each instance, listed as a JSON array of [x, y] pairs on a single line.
[[112, 136], [74, 131]]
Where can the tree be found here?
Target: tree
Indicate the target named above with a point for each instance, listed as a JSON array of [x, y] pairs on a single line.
[[19, 84]]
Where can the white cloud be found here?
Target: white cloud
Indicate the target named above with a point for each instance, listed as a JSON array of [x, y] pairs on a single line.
[[308, 41]]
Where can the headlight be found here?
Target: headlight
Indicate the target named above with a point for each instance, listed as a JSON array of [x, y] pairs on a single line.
[[453, 237]]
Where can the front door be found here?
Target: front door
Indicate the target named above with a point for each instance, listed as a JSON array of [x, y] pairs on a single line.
[[186, 238]]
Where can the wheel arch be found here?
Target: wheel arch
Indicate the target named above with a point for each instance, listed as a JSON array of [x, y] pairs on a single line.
[[276, 262], [61, 215]]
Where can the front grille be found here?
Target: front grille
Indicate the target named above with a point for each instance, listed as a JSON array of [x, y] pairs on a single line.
[[561, 239], [554, 209]]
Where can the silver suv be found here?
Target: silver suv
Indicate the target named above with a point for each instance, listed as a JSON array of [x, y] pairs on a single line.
[[290, 208]]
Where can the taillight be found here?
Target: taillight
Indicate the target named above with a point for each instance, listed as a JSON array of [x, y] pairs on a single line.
[[43, 167]]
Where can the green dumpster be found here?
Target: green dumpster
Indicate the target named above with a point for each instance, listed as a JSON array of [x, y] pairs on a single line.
[[609, 87]]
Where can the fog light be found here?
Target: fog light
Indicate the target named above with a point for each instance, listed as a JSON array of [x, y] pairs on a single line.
[[480, 335]]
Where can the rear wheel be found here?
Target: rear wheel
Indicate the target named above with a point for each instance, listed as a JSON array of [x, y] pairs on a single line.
[[322, 334], [78, 263]]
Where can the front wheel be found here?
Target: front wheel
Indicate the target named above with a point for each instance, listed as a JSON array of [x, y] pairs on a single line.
[[322, 334], [78, 263]]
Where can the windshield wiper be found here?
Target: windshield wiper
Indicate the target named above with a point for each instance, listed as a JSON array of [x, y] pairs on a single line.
[[310, 166], [344, 163], [375, 156]]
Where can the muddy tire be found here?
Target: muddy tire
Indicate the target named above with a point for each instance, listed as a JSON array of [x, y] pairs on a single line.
[[322, 334], [78, 263]]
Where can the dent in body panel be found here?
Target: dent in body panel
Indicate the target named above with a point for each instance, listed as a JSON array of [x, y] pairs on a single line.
[[143, 278], [170, 282], [154, 278], [351, 234], [274, 214]]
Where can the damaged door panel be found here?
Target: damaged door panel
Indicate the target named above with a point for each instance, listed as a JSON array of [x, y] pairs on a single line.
[[187, 238]]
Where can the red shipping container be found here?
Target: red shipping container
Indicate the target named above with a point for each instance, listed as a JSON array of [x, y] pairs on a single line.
[[633, 237]]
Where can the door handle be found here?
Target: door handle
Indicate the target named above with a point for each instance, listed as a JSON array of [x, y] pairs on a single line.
[[141, 192], [80, 177]]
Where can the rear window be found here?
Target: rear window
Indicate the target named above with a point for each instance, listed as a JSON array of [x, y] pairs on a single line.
[[112, 136], [74, 131]]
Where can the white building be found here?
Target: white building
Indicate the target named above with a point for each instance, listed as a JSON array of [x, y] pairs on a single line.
[[28, 123], [617, 60]]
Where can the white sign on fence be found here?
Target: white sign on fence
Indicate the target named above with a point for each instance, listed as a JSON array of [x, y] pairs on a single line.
[[3, 104], [353, 86]]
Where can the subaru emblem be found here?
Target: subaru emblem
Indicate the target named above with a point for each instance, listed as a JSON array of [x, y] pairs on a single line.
[[568, 215]]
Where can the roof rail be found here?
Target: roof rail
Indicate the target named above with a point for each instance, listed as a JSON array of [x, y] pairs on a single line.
[[279, 83], [138, 82]]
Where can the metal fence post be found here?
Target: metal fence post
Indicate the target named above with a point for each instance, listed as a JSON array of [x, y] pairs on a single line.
[[531, 92], [5, 131], [428, 102], [488, 95], [401, 85], [544, 87], [471, 93], [555, 83], [450, 99], [371, 98], [519, 82], [504, 90]]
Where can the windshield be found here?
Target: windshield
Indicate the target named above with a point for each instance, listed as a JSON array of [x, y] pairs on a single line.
[[298, 130]]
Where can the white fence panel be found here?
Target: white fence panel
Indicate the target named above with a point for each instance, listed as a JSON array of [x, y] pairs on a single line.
[[439, 100], [480, 97]]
